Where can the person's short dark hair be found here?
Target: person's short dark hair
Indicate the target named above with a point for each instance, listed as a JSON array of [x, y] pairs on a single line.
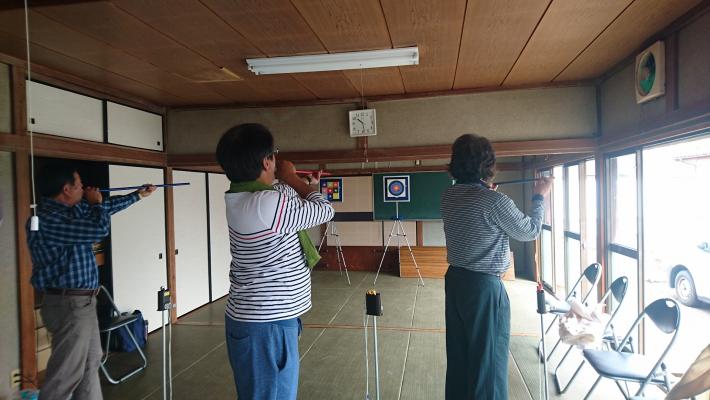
[[242, 149], [53, 176], [472, 159]]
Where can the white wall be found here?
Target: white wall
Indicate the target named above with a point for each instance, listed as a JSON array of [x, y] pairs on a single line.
[[9, 328], [220, 256]]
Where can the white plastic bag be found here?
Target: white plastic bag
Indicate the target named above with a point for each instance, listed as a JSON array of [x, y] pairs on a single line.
[[583, 326]]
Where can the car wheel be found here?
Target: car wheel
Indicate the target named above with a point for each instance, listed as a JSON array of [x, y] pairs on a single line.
[[685, 289]]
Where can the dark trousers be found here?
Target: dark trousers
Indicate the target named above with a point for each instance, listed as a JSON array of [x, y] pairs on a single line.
[[477, 336]]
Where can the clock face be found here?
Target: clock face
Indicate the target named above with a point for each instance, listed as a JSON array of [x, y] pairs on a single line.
[[363, 123]]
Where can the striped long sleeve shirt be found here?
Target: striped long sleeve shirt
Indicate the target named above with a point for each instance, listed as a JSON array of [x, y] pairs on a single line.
[[269, 280], [62, 255], [478, 223]]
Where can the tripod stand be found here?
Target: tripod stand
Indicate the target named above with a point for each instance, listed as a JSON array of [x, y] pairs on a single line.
[[400, 233], [338, 248]]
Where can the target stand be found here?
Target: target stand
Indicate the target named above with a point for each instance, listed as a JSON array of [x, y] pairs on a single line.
[[398, 231], [332, 231]]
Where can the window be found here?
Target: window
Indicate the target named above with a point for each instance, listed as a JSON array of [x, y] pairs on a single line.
[[623, 242], [676, 263]]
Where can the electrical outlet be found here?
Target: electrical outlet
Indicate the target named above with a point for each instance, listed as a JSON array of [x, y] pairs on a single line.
[[15, 379]]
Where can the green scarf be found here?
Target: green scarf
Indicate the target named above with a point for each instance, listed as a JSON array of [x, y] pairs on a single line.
[[309, 250]]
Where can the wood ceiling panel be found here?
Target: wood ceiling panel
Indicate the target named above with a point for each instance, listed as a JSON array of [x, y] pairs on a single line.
[[274, 27], [436, 28], [567, 28], [116, 28], [346, 25], [280, 88], [15, 47], [328, 85], [494, 34], [635, 25], [377, 81], [197, 28], [62, 40]]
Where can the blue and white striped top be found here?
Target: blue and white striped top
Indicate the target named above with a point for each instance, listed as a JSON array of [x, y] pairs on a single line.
[[478, 223], [268, 274]]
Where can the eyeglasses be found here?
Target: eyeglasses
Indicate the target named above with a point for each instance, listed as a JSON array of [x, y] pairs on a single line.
[[274, 152]]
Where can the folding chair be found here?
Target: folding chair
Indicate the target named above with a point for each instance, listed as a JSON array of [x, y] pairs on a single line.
[[618, 290], [629, 367], [115, 322], [592, 274]]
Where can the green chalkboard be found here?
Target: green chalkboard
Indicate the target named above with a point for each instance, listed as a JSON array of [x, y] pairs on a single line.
[[425, 196]]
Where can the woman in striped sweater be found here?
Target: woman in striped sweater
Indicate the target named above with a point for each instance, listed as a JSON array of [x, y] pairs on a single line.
[[271, 260], [478, 223]]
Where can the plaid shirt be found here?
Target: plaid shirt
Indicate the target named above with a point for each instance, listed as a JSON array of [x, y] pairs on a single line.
[[62, 255]]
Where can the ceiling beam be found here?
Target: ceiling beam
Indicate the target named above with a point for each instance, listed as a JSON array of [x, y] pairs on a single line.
[[502, 149]]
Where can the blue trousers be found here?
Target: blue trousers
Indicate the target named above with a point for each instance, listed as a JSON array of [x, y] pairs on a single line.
[[477, 336], [264, 358]]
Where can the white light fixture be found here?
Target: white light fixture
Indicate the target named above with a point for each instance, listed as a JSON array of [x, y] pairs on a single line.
[[335, 61]]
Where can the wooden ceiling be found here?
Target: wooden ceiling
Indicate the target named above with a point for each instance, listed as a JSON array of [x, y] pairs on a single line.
[[170, 52]]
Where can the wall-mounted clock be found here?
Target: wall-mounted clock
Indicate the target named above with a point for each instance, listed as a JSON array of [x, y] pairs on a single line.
[[363, 123]]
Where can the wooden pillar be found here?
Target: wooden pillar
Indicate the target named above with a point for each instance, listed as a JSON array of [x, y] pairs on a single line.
[[420, 233], [23, 199], [170, 240]]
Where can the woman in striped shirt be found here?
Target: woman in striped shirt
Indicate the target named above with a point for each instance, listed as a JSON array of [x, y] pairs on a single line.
[[478, 223], [271, 255]]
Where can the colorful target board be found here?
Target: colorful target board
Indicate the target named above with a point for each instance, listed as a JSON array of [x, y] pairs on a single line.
[[396, 188], [332, 189]]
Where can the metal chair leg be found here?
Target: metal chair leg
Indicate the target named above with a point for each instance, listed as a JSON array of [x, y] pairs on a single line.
[[560, 389], [129, 374], [594, 386]]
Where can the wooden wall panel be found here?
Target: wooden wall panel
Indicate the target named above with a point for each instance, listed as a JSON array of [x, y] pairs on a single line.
[[360, 258], [568, 27], [436, 28], [494, 34], [638, 22]]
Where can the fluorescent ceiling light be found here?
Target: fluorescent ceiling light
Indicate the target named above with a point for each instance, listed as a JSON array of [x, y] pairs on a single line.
[[335, 61]]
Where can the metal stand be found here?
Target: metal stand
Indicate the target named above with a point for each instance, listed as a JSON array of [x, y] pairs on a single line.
[[542, 310], [338, 247], [400, 233], [373, 306], [164, 305]]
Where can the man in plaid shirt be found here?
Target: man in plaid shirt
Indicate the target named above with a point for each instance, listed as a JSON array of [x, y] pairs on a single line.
[[72, 218]]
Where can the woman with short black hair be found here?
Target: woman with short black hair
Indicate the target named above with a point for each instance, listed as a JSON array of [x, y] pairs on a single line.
[[478, 222]]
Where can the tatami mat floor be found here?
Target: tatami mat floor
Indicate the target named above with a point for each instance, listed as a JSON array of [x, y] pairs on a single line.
[[412, 347]]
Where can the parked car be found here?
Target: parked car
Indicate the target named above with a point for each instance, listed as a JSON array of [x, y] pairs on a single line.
[[691, 277]]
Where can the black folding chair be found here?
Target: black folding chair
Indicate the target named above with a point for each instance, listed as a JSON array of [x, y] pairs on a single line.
[[623, 366], [617, 289], [592, 274], [114, 322]]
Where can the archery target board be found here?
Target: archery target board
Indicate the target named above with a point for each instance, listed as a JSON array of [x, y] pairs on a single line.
[[332, 189], [396, 188]]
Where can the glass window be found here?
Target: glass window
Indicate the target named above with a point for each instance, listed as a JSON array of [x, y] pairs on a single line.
[[573, 198], [546, 255], [573, 258], [558, 224], [621, 265], [622, 201], [676, 212]]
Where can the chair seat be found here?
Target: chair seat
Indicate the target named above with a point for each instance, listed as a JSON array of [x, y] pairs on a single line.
[[626, 366], [117, 322], [561, 308]]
